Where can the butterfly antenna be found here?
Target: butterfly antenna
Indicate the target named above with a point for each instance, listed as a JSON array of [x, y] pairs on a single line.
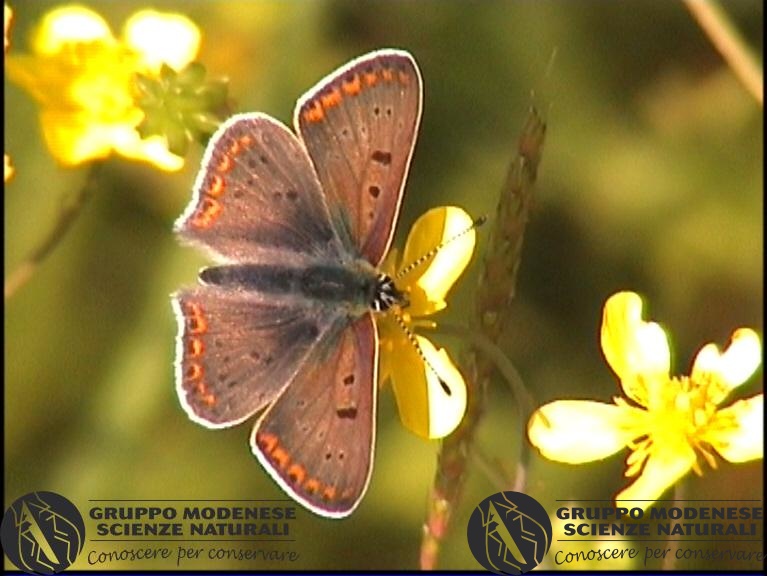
[[433, 252], [414, 341]]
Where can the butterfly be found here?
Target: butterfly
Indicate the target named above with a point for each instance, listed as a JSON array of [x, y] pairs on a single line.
[[285, 324]]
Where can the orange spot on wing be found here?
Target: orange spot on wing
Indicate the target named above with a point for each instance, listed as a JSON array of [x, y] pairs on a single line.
[[200, 389], [353, 87], [387, 74], [205, 395], [296, 473], [207, 213], [332, 98], [217, 186], [312, 485], [246, 141], [267, 442], [371, 78], [196, 319], [198, 325], [194, 309], [404, 78], [211, 207], [329, 494], [280, 458], [235, 148], [314, 113], [195, 347], [194, 371], [225, 164]]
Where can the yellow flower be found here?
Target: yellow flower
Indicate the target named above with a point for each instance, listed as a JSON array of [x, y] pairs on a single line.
[[83, 79], [7, 17], [427, 407], [666, 421]]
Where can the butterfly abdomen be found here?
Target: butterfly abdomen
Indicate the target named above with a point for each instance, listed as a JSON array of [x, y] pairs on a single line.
[[323, 283]]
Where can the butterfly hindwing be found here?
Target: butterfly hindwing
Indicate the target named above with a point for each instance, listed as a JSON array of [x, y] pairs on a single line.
[[317, 439], [236, 350], [257, 197], [359, 125]]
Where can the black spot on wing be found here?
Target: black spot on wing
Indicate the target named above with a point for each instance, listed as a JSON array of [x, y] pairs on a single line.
[[381, 156], [349, 412]]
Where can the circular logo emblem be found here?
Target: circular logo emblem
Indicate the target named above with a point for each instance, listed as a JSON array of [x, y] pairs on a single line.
[[42, 533], [509, 533]]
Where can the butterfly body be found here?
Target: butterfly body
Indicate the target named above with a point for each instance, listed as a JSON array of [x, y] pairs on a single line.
[[285, 324], [356, 288]]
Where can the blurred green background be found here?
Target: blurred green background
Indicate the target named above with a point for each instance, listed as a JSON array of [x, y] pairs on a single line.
[[651, 180]]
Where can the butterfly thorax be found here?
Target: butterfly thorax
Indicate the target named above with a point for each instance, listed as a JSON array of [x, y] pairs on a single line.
[[356, 285]]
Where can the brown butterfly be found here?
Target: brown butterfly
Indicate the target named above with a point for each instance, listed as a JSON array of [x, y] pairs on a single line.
[[286, 323]]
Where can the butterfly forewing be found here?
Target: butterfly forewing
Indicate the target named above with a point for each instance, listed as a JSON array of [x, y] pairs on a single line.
[[359, 125], [236, 350], [257, 197], [317, 439]]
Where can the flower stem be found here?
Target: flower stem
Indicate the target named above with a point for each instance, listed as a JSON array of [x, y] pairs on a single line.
[[494, 295], [69, 213], [730, 44]]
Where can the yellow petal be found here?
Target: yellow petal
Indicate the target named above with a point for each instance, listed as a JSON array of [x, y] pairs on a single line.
[[8, 168], [73, 138], [425, 407], [8, 17], [740, 435], [103, 88], [400, 361], [731, 368], [577, 431], [153, 149], [389, 264], [636, 350], [447, 398], [434, 278], [391, 340], [69, 24], [662, 469], [77, 138], [161, 37]]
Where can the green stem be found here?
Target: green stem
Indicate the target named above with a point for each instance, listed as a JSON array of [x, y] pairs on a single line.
[[69, 213]]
